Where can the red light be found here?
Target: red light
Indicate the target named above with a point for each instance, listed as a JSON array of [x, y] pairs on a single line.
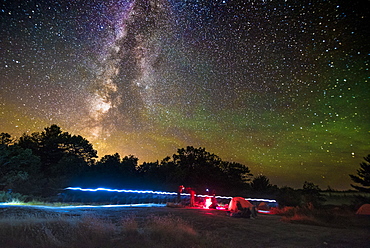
[[208, 202]]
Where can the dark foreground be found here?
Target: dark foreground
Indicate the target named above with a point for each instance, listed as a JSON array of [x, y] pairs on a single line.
[[165, 227]]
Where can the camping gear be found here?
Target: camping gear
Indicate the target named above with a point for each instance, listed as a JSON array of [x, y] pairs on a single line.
[[364, 209], [263, 206], [243, 202]]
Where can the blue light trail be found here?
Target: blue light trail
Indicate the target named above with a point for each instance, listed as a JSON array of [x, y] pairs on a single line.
[[159, 193]]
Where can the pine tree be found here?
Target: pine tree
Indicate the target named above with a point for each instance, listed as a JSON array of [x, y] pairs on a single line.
[[363, 176]]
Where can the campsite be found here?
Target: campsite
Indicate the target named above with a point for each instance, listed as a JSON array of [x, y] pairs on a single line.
[[129, 226]]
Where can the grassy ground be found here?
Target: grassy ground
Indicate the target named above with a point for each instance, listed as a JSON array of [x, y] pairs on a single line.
[[173, 227]]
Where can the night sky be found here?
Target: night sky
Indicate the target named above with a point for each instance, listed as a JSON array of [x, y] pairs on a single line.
[[281, 86]]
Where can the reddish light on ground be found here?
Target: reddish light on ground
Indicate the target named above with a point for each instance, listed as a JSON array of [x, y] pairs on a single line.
[[220, 208]]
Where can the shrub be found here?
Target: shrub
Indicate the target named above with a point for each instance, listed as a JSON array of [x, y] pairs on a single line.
[[333, 217], [287, 196], [11, 197]]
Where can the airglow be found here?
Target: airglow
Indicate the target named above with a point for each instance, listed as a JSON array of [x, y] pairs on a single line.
[[160, 193]]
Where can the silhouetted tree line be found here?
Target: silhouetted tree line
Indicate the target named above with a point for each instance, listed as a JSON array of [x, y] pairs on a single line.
[[43, 164]]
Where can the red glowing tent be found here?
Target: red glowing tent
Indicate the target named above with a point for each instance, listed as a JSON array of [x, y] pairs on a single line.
[[364, 209], [244, 203]]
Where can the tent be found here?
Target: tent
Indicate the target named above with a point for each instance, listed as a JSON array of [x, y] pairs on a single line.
[[244, 203], [263, 206], [364, 209]]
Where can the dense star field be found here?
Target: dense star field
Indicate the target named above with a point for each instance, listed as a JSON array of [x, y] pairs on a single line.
[[281, 86]]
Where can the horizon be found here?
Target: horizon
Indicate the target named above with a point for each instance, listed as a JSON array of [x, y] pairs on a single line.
[[279, 86], [298, 184]]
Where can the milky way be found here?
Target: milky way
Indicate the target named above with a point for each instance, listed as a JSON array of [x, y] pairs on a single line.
[[280, 86]]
